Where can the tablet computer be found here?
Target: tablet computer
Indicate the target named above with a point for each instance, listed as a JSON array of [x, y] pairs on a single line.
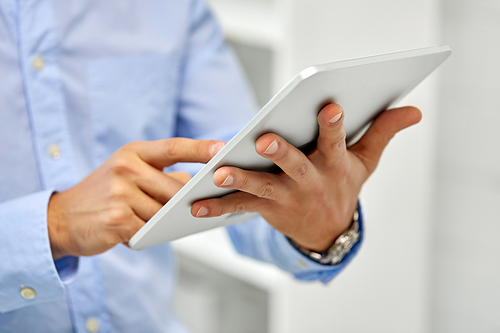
[[363, 87]]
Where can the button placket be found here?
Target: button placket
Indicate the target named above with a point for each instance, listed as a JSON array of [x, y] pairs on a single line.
[[44, 95]]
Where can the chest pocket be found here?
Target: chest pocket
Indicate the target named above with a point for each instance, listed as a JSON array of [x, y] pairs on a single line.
[[131, 98]]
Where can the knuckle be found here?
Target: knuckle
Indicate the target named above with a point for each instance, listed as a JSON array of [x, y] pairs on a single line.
[[267, 191], [121, 166], [117, 217], [301, 169], [218, 209], [239, 206], [111, 241], [341, 144], [118, 191], [244, 183], [171, 147]]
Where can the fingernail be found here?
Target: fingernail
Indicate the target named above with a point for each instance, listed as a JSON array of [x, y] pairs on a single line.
[[272, 148], [202, 211], [216, 147], [335, 119], [229, 180]]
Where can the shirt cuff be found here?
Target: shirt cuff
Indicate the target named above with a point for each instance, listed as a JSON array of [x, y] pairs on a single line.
[[259, 240], [304, 268], [28, 273], [66, 268]]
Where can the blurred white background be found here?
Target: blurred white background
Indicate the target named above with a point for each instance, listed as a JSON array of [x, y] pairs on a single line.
[[431, 258]]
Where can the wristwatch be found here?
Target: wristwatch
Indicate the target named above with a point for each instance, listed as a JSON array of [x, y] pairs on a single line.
[[342, 245]]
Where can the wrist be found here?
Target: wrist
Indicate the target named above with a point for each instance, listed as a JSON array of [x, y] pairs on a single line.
[[320, 239], [342, 245], [57, 228]]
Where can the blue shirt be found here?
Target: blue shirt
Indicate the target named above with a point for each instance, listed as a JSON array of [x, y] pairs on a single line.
[[78, 79]]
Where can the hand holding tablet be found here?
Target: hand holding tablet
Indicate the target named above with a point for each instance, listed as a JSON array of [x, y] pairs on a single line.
[[312, 201], [300, 201]]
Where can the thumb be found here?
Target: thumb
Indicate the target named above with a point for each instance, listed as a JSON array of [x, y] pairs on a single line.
[[371, 146]]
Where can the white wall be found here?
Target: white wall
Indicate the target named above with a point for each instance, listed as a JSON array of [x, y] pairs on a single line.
[[467, 246], [386, 289]]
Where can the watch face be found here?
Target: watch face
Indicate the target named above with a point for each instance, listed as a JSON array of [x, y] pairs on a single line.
[[342, 245]]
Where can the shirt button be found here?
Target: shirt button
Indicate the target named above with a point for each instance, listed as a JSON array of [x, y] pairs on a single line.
[[54, 151], [28, 293], [38, 63], [92, 325]]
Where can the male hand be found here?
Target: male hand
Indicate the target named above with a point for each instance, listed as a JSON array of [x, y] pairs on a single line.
[[114, 201], [313, 200]]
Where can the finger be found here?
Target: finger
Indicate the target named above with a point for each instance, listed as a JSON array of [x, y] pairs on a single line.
[[162, 153], [133, 226], [158, 185], [331, 141], [181, 176], [291, 160], [144, 206], [232, 203], [260, 184], [370, 147]]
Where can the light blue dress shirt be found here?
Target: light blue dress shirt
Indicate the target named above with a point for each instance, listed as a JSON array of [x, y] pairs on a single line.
[[78, 79]]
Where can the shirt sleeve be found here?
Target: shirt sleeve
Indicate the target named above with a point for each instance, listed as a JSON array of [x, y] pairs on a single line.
[[257, 239], [215, 102], [214, 94], [26, 258]]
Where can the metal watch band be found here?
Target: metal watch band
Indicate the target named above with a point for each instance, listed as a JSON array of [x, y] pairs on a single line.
[[342, 245]]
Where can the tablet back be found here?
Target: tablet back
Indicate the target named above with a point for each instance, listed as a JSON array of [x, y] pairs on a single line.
[[363, 87]]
